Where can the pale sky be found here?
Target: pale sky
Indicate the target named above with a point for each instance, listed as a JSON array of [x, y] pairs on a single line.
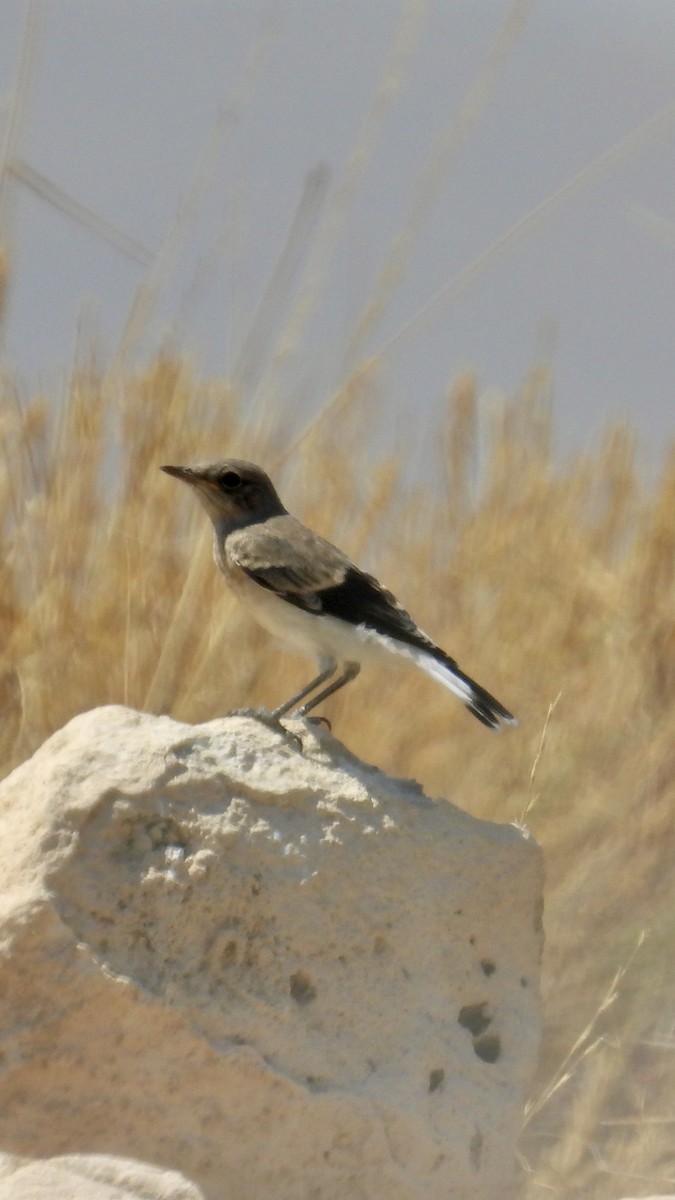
[[125, 98]]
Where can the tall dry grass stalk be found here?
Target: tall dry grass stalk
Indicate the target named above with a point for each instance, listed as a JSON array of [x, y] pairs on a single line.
[[549, 583]]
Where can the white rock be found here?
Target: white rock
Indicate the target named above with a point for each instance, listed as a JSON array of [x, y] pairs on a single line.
[[246, 956], [92, 1177]]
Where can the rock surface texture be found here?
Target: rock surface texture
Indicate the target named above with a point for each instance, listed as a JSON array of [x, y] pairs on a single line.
[[238, 953]]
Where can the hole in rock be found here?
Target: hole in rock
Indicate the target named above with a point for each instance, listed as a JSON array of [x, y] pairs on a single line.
[[229, 953], [474, 1018], [301, 988], [488, 1047]]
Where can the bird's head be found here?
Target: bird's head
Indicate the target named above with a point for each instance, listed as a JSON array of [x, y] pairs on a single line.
[[233, 492]]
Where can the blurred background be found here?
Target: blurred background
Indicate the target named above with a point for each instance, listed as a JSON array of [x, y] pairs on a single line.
[[416, 259], [463, 184]]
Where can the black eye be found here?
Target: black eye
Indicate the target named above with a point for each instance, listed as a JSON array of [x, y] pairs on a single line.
[[230, 481]]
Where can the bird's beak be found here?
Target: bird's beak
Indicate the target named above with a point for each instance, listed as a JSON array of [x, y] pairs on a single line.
[[189, 475], [183, 473]]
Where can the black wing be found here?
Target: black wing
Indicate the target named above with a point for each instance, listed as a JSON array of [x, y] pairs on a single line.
[[361, 600]]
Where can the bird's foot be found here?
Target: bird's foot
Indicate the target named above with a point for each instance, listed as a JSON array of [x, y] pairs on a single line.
[[258, 714], [270, 719], [314, 720], [273, 721]]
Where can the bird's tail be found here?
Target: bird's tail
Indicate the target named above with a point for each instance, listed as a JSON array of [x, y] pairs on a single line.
[[477, 700]]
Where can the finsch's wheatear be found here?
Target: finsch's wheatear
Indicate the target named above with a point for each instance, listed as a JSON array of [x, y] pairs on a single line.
[[311, 595]]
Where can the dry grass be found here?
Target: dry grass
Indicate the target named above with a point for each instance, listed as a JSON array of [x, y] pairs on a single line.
[[547, 582]]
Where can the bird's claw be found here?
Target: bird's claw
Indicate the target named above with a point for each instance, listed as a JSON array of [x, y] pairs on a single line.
[[257, 714], [318, 721], [270, 719]]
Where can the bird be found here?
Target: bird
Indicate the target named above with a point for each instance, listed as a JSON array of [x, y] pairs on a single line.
[[309, 594]]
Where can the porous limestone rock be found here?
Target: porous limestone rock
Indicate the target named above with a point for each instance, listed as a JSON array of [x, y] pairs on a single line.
[[239, 953]]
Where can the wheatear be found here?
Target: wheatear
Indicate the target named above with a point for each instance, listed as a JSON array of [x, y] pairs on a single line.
[[308, 593]]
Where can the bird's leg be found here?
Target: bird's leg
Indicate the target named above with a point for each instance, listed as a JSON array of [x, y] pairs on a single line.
[[328, 670], [350, 672]]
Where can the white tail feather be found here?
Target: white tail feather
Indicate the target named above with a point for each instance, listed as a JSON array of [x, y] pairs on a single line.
[[483, 706]]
